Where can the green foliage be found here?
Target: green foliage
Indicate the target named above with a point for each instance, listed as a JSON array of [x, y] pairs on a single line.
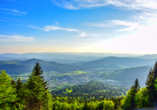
[[126, 102], [34, 94], [142, 98], [108, 105], [136, 85], [8, 96], [155, 84], [151, 87], [36, 89], [92, 89]]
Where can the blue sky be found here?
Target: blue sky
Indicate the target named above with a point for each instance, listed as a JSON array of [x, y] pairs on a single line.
[[106, 26]]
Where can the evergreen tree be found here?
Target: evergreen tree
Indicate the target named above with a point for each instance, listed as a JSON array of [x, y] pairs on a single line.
[[150, 85], [19, 85], [154, 78], [155, 71], [13, 82], [54, 107], [148, 77], [8, 96], [37, 89], [86, 107], [136, 85], [130, 102], [116, 105], [20, 90], [38, 72]]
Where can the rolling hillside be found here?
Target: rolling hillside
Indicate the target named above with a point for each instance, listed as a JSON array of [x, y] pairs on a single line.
[[127, 76], [17, 67], [115, 63], [108, 63]]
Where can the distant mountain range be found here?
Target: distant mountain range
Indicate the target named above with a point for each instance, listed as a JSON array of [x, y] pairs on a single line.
[[111, 63], [65, 58], [149, 56], [68, 58], [17, 67], [115, 63]]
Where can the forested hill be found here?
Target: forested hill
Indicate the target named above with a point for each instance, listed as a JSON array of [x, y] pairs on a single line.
[[17, 67], [92, 89], [128, 75]]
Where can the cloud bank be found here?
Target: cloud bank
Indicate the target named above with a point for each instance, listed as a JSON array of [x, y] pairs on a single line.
[[15, 38], [15, 11], [54, 28], [148, 5]]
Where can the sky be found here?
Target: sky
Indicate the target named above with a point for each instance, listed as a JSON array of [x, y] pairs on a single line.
[[99, 26]]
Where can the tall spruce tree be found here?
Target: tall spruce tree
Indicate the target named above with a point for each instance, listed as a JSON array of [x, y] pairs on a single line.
[[37, 71], [137, 85], [154, 78], [37, 89], [130, 102], [20, 91], [136, 89], [150, 74], [155, 71], [152, 92]]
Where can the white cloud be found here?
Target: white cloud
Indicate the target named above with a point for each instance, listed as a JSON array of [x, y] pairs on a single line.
[[80, 33], [51, 28], [14, 11], [15, 38], [65, 4], [35, 27], [57, 23], [84, 34], [141, 41], [128, 26], [129, 4]]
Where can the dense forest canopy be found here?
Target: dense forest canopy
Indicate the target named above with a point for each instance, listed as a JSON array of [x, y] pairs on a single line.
[[34, 94]]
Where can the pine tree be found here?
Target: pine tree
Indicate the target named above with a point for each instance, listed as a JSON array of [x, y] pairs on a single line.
[[37, 71], [155, 71], [152, 94], [154, 78], [136, 85], [86, 107], [116, 105], [135, 88], [13, 82], [20, 90], [148, 81], [150, 89], [37, 89], [19, 85], [130, 102], [54, 107]]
